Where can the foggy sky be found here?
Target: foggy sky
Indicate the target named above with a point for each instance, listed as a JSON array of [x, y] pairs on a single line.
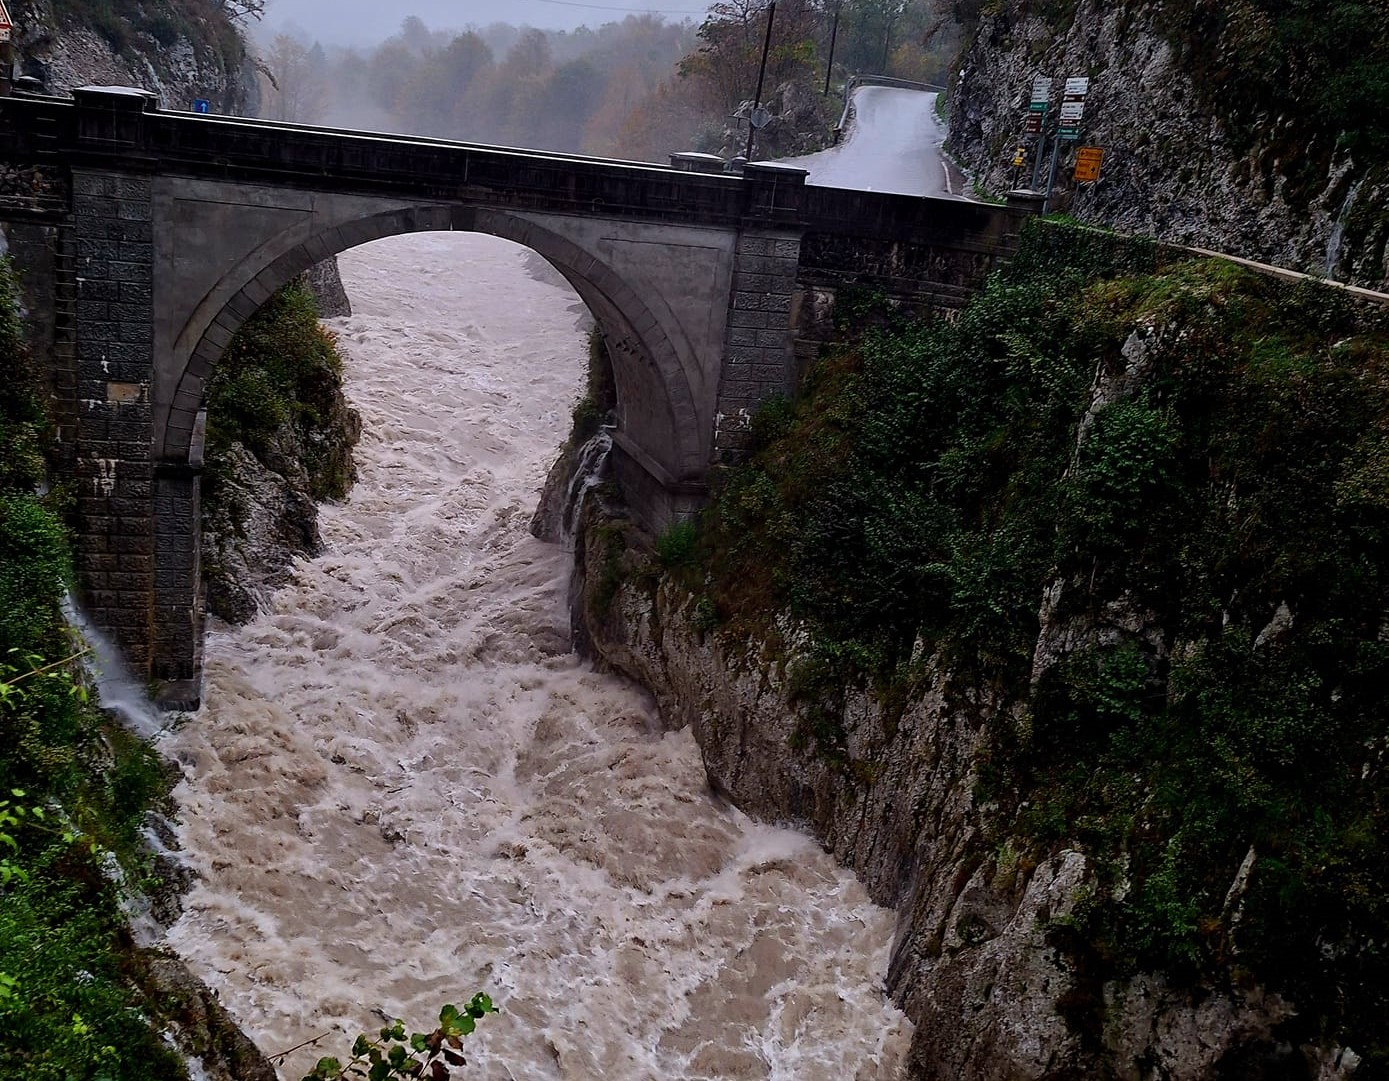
[[348, 22]]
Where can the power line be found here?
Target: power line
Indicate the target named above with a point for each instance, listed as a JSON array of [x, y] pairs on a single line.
[[629, 11]]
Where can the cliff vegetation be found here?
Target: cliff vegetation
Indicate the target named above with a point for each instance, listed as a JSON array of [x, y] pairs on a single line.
[[279, 440], [1129, 516]]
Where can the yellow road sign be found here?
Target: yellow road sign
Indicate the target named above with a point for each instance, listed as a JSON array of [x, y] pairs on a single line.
[[1088, 159]]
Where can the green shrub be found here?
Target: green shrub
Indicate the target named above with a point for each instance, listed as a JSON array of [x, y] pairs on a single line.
[[676, 546], [283, 369]]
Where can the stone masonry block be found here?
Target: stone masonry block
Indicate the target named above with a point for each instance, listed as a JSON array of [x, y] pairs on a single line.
[[134, 189], [127, 312], [761, 302], [99, 184], [757, 320], [130, 353], [141, 273], [735, 357], [94, 248], [133, 251], [760, 283], [755, 245], [97, 290]]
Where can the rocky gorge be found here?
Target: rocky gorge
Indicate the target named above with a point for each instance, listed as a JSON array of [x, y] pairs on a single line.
[[992, 769]]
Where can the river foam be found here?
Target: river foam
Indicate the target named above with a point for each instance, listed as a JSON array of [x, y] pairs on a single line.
[[404, 788]]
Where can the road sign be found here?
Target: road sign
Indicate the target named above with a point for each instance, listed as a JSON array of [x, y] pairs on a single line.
[[5, 25], [1077, 88], [1033, 125], [202, 105], [1072, 111], [760, 117], [1088, 159], [1041, 94], [1019, 157]]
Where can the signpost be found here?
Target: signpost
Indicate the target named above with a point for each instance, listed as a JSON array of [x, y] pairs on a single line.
[[1073, 108], [202, 105], [1088, 159], [1036, 120], [1072, 112]]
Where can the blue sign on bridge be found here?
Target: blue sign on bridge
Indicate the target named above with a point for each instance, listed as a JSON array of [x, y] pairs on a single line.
[[202, 105]]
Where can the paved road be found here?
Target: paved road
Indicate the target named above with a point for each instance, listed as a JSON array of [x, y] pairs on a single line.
[[892, 145]]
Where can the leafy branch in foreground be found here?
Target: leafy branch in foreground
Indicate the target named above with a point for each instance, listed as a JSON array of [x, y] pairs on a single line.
[[394, 1055]]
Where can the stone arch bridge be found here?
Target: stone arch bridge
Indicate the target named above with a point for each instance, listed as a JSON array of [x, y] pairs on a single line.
[[146, 238]]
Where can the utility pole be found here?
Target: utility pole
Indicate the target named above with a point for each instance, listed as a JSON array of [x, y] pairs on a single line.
[[761, 75], [834, 35]]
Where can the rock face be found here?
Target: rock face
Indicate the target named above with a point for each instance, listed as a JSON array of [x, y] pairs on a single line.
[[206, 58], [984, 963], [1174, 168], [261, 521], [197, 1022], [325, 283]]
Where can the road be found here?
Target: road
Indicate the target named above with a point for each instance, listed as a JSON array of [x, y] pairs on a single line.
[[892, 145]]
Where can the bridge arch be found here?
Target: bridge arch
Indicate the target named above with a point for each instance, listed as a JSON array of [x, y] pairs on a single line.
[[657, 405]]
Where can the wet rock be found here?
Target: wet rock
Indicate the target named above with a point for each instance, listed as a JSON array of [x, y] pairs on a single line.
[[197, 1022], [325, 283], [260, 521]]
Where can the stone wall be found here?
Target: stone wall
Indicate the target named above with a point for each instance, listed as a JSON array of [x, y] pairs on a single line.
[[114, 265], [757, 360]]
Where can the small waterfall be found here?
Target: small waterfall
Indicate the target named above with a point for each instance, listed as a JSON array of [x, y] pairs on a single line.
[[1338, 231], [118, 689], [589, 467]]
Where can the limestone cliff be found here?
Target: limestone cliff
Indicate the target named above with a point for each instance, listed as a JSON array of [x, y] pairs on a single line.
[[179, 49], [1212, 119], [980, 964]]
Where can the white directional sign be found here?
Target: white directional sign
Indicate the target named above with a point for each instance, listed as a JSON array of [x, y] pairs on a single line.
[[1041, 90], [1072, 110], [1077, 88]]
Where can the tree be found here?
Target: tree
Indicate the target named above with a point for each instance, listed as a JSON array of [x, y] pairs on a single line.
[[297, 74], [238, 10]]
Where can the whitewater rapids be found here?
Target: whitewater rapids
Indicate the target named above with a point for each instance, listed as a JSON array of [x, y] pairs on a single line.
[[403, 787]]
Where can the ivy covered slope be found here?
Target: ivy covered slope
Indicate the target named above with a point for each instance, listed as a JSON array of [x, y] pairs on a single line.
[[1122, 533], [279, 440]]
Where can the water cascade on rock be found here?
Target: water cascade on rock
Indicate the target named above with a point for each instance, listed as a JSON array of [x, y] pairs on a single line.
[[1338, 231], [404, 787], [592, 460]]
